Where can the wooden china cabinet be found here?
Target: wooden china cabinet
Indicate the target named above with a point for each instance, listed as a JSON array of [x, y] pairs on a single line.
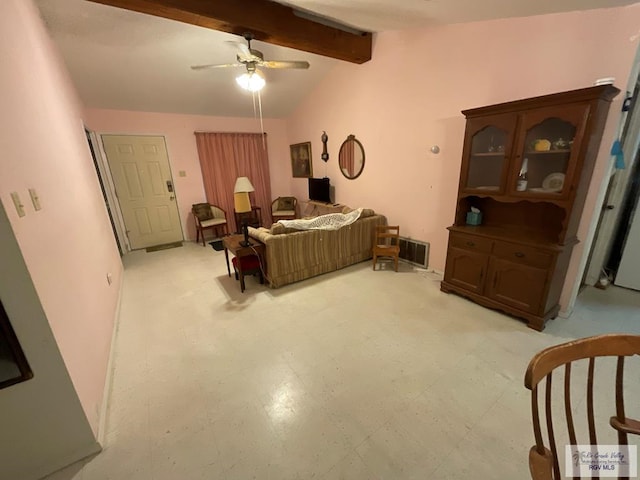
[[516, 259]]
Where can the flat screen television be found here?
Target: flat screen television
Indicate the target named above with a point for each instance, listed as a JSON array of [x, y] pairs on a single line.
[[320, 190]]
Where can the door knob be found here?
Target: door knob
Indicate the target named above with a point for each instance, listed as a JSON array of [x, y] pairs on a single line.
[[172, 197]]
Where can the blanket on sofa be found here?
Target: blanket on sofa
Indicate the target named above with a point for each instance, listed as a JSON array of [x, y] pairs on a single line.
[[331, 221]]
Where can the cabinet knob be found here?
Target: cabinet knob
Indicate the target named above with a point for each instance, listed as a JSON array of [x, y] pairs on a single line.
[[519, 254], [470, 244]]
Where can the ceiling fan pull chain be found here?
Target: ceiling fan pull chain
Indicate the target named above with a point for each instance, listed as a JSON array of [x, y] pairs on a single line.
[[255, 113], [264, 146], [253, 97]]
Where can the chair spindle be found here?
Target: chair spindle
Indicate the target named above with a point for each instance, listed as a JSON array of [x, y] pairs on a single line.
[[622, 436], [567, 404], [537, 429], [549, 415], [590, 412]]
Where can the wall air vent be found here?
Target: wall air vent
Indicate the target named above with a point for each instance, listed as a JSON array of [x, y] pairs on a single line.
[[414, 252]]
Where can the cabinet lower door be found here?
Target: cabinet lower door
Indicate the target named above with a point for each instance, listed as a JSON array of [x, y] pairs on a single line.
[[520, 286], [466, 269]]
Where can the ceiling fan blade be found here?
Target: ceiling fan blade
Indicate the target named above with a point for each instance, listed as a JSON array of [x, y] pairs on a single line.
[[243, 52], [219, 65], [284, 64]]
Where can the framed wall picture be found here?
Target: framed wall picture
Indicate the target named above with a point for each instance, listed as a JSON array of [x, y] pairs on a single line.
[[301, 165]]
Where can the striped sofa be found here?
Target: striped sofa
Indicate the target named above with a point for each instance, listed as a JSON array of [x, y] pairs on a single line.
[[294, 255]]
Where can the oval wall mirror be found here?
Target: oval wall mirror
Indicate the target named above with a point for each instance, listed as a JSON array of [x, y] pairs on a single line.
[[351, 158]]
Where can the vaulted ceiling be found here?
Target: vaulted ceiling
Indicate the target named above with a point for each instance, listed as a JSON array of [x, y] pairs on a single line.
[[122, 59]]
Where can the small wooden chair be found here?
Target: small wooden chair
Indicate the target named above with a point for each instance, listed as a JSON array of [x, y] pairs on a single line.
[[386, 243], [543, 461], [208, 216], [284, 208]]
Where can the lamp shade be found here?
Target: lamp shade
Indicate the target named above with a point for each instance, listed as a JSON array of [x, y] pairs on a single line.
[[241, 202], [243, 185]]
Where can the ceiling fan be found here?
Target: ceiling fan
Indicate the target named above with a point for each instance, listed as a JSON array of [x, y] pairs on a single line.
[[251, 59]]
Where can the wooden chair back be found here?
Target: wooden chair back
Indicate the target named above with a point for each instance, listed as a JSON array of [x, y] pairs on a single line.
[[386, 243], [282, 207], [543, 461], [218, 212]]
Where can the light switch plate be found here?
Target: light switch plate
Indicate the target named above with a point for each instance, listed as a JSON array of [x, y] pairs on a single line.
[[182, 173], [35, 199], [19, 206]]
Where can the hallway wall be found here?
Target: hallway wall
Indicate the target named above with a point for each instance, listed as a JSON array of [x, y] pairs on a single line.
[[68, 246], [43, 425]]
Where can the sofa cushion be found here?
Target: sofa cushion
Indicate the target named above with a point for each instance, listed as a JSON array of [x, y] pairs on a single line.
[[279, 229], [314, 209], [366, 212], [213, 221], [202, 211], [284, 213]]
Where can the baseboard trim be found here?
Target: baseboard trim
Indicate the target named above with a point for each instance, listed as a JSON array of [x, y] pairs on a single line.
[[565, 313], [106, 395]]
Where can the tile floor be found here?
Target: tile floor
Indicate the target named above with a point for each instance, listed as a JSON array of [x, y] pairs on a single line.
[[351, 375]]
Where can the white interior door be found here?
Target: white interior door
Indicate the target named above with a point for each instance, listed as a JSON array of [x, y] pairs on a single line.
[[629, 270], [140, 169]]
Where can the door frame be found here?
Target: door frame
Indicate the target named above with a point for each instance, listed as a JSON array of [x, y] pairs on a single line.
[[594, 234], [110, 190], [615, 186]]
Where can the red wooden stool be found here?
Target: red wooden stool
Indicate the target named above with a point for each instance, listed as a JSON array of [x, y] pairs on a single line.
[[249, 265]]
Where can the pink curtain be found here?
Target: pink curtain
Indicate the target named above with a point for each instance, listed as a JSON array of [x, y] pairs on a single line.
[[227, 156]]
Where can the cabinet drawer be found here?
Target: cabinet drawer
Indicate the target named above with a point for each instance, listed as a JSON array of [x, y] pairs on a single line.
[[470, 242], [522, 254]]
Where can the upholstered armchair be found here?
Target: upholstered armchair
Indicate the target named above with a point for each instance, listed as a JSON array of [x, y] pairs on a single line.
[[284, 208], [208, 216]]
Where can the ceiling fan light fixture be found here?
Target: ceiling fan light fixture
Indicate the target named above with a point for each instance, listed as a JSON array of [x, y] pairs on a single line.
[[251, 81]]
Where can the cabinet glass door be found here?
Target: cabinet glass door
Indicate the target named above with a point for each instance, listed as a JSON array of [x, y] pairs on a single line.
[[547, 151], [487, 150], [487, 159]]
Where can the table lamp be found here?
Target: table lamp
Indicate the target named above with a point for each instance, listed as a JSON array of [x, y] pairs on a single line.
[[242, 204]]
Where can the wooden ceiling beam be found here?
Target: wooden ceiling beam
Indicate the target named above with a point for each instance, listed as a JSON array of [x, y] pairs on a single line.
[[268, 21]]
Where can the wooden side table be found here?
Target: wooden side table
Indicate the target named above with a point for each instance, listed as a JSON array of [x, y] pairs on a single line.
[[232, 244]]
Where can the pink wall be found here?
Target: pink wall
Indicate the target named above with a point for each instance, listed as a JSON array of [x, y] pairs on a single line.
[[183, 155], [68, 245], [409, 97]]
